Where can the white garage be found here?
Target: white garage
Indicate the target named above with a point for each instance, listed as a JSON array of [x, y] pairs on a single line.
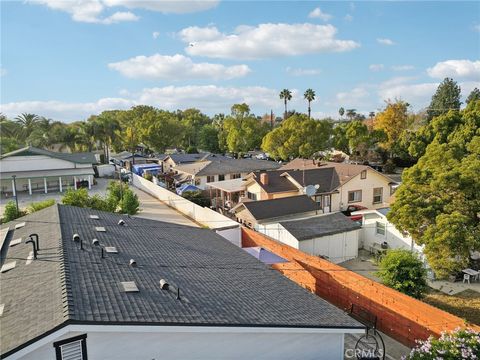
[[332, 236]]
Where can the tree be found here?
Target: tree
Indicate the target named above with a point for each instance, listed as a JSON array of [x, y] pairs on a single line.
[[309, 95], [160, 129], [473, 96], [297, 136], [208, 139], [77, 197], [11, 213], [402, 270], [447, 97], [129, 204], [286, 95], [371, 114], [438, 200], [351, 114], [341, 111], [27, 123], [196, 197], [393, 120]]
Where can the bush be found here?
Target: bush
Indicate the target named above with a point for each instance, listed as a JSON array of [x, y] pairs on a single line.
[[40, 205], [148, 176], [389, 167], [11, 212], [196, 197], [78, 197], [129, 204], [459, 344], [402, 270]]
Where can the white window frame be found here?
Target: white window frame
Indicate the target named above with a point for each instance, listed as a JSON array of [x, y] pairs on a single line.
[[382, 227], [381, 195], [354, 200]]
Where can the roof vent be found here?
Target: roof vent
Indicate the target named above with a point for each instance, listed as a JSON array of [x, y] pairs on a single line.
[[133, 263], [100, 229], [121, 222], [95, 242], [163, 284], [2, 306], [76, 237], [8, 266], [31, 241], [20, 225], [94, 217], [129, 286], [111, 249], [16, 242]]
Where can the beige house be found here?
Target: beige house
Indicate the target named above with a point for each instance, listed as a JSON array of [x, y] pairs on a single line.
[[333, 186]]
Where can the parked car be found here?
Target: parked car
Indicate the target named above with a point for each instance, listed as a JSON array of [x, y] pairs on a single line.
[[352, 208]]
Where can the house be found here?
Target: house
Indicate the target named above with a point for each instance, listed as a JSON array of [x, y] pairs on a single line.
[[252, 213], [173, 160], [377, 230], [32, 170], [330, 236], [201, 173], [126, 159], [101, 288], [334, 186]]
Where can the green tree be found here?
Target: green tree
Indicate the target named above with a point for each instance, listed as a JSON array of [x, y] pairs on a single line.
[[129, 204], [286, 96], [447, 97], [341, 111], [339, 138], [10, 213], [192, 120], [161, 130], [438, 201], [208, 138], [196, 197], [351, 114], [402, 270], [309, 95], [77, 197], [27, 123], [473, 96]]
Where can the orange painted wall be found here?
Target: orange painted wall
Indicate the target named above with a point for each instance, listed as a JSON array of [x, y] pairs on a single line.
[[400, 316]]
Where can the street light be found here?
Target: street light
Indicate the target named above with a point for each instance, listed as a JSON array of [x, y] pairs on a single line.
[[15, 190]]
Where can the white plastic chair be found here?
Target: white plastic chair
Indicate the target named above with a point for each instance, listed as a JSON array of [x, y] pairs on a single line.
[[466, 278]]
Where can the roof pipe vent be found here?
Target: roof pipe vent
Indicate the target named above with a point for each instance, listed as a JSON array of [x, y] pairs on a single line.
[[133, 263], [163, 284], [31, 241], [178, 293], [95, 242], [77, 238], [36, 240], [121, 222]]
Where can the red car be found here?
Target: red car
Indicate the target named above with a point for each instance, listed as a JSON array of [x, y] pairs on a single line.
[[352, 208]]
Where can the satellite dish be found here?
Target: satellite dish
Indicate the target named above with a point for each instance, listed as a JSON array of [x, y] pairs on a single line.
[[310, 190], [317, 187]]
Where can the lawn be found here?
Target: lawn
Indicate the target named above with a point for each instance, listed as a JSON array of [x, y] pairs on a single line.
[[465, 304]]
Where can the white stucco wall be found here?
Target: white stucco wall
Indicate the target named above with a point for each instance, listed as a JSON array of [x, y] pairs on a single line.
[[184, 343], [234, 235], [37, 162]]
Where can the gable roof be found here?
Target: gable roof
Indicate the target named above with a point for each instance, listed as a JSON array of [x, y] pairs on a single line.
[[79, 158], [318, 226], [221, 285], [181, 158], [224, 165], [275, 208]]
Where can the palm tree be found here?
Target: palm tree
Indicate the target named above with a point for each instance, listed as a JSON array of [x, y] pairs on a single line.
[[286, 95], [371, 114], [351, 113], [309, 95], [341, 111], [27, 123]]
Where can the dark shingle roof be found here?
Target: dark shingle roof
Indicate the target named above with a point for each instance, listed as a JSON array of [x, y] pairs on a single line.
[[79, 158], [276, 182], [319, 226], [220, 284], [268, 209], [181, 158], [224, 165]]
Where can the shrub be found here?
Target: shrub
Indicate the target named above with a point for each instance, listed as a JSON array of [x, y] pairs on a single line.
[[11, 212], [129, 204], [78, 197], [196, 197], [459, 344], [148, 176], [402, 270], [37, 206]]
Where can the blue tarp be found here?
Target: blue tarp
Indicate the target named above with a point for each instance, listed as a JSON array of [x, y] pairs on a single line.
[[187, 187], [264, 256], [153, 169]]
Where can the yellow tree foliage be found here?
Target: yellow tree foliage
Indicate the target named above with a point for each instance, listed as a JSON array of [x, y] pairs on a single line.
[[393, 120]]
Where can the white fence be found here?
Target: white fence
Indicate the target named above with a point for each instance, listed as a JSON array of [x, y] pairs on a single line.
[[202, 215]]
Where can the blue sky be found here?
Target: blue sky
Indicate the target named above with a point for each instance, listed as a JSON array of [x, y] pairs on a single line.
[[69, 59]]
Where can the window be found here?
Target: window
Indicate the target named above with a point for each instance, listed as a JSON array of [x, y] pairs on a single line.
[[363, 174], [251, 196], [354, 196], [377, 195], [210, 178], [235, 176], [379, 228], [221, 177], [74, 348]]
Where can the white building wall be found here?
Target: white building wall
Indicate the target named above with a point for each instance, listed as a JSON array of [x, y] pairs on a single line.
[[38, 162], [338, 247], [278, 232], [171, 342], [234, 235]]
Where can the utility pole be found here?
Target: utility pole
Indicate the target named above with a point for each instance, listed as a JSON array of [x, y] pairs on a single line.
[[271, 118], [15, 191]]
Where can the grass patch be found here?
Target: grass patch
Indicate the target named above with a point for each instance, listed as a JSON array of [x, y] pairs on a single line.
[[465, 304]]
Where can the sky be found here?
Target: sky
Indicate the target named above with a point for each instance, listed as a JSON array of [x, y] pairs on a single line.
[[69, 59]]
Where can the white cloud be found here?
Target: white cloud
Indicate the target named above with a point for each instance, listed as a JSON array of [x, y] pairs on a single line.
[[92, 11], [464, 69], [264, 41], [302, 71], [348, 17], [476, 27], [155, 34], [208, 98], [385, 41], [353, 96], [175, 67], [318, 14], [376, 67], [402, 67]]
